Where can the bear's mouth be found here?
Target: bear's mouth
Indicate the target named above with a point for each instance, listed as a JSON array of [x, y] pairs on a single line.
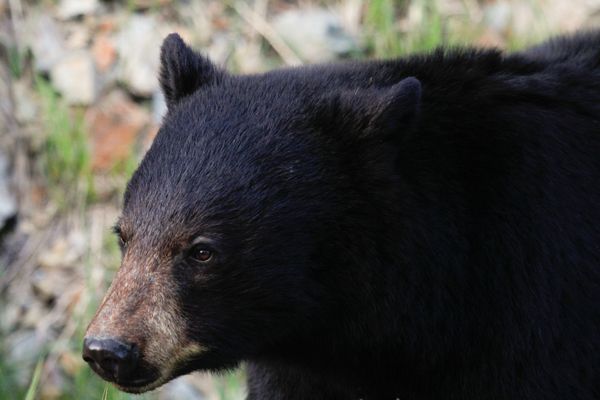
[[141, 385], [151, 379], [143, 381]]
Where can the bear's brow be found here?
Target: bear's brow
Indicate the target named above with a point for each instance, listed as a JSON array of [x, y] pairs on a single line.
[[202, 239]]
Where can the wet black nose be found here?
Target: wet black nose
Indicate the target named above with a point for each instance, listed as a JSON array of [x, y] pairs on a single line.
[[112, 359]]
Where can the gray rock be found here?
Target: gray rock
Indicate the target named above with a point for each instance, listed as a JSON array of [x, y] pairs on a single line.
[[180, 389], [64, 253], [33, 313], [314, 34], [24, 348], [8, 206], [138, 46], [74, 8], [159, 106], [497, 16], [197, 17], [25, 105], [10, 315], [74, 76], [49, 285], [45, 39], [220, 48]]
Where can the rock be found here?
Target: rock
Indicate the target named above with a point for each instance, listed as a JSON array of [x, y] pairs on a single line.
[[247, 57], [33, 313], [71, 363], [138, 46], [159, 106], [68, 9], [78, 36], [8, 206], [107, 23], [49, 285], [65, 252], [220, 48], [54, 384], [180, 389], [24, 348], [74, 76], [104, 52], [315, 34], [497, 16], [524, 20], [45, 39], [490, 38], [10, 314], [25, 105], [114, 124], [197, 17], [558, 16]]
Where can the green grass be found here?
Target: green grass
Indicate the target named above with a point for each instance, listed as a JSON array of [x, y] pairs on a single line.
[[384, 38], [35, 381], [16, 60], [232, 386], [380, 25], [8, 385], [430, 34], [66, 161]]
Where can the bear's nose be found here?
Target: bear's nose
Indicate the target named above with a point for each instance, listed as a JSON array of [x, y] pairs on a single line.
[[111, 358]]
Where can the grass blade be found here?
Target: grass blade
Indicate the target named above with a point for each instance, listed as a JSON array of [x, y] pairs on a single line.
[[35, 380]]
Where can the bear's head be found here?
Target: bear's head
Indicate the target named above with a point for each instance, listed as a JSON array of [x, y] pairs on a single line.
[[239, 225]]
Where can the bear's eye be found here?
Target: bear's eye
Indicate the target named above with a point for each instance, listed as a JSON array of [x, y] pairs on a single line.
[[120, 237], [201, 254]]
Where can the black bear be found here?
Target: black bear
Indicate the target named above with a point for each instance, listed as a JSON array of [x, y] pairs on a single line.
[[418, 228]]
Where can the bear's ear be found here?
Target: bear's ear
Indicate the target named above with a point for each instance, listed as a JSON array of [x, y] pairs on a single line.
[[396, 107], [182, 71], [382, 113]]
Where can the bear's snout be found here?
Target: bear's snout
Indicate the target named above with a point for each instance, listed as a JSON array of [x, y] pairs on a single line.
[[111, 358], [134, 338]]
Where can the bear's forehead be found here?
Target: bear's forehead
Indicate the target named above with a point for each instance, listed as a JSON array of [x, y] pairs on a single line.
[[237, 112], [224, 150]]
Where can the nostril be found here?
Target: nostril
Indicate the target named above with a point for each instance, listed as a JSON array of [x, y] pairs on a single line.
[[111, 358]]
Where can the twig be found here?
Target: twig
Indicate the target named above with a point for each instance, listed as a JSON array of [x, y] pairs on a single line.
[[264, 28], [16, 15]]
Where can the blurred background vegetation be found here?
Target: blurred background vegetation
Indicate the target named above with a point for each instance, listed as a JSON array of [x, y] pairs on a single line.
[[79, 105]]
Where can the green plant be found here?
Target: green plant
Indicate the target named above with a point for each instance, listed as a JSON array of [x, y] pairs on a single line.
[[384, 36], [429, 33], [8, 382], [380, 25], [231, 385], [66, 155], [35, 380], [16, 60]]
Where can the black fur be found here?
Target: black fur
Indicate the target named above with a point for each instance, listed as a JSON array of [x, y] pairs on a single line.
[[183, 71], [421, 228]]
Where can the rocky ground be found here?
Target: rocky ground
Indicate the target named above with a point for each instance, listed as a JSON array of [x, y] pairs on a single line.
[[80, 103]]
